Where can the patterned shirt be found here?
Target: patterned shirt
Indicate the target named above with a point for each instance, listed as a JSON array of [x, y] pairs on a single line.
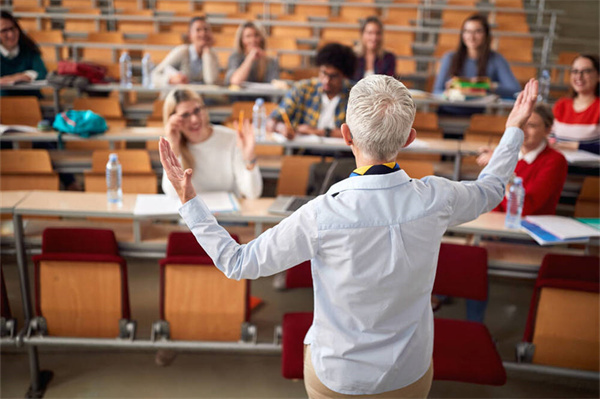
[[302, 103]]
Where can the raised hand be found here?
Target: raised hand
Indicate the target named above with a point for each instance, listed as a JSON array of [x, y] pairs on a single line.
[[523, 106], [173, 132], [245, 140], [180, 179]]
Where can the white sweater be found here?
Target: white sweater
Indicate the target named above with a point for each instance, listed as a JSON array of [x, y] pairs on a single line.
[[178, 60], [219, 166]]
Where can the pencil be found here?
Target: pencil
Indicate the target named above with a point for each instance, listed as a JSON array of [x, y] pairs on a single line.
[[286, 120], [241, 120]]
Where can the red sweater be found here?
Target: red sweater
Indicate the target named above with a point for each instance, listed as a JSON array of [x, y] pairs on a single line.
[[543, 181]]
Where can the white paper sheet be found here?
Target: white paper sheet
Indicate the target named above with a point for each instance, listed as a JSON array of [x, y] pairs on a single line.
[[17, 129], [580, 156], [563, 227], [162, 205]]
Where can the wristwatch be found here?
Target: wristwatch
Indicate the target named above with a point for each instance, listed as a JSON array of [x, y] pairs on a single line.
[[327, 132]]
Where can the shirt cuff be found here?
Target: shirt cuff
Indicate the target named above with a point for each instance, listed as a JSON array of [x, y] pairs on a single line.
[[194, 211], [32, 74], [513, 136]]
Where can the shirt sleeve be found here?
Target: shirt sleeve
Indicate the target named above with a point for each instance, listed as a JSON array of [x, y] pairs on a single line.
[[248, 182], [210, 67], [291, 242], [289, 104], [272, 70], [233, 63], [472, 198], [507, 83], [39, 68], [442, 77], [163, 71]]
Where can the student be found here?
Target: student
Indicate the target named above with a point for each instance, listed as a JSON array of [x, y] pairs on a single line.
[[19, 55], [542, 168], [190, 63], [577, 118], [373, 240], [249, 62], [371, 57], [228, 158], [317, 106], [474, 58]]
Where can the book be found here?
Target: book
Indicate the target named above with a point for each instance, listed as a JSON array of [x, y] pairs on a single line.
[[551, 230], [163, 205], [17, 129]]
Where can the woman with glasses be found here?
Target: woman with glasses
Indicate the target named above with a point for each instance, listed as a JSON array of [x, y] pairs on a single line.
[[577, 117], [249, 62], [474, 58], [371, 57], [20, 57], [222, 159]]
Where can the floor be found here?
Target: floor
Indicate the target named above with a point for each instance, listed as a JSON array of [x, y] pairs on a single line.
[[84, 373]]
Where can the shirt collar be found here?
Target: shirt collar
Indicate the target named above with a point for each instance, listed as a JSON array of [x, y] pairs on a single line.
[[376, 169], [370, 182], [531, 156], [9, 53]]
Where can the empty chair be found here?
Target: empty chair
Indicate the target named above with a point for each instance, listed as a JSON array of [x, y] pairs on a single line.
[[562, 325], [293, 177], [102, 55], [464, 350], [218, 7], [87, 24], [27, 170], [138, 176], [294, 329], [416, 169], [486, 128], [130, 26], [81, 284], [20, 110], [32, 23], [198, 302], [588, 200], [109, 108]]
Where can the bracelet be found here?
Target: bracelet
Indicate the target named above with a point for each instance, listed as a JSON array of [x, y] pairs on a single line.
[[327, 132], [251, 162]]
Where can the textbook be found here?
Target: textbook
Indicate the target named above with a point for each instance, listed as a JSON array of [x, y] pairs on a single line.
[[163, 205], [551, 230], [17, 129]]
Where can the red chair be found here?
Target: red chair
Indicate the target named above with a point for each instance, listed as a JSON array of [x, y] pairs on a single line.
[[562, 325], [81, 285], [299, 276], [464, 350], [197, 301]]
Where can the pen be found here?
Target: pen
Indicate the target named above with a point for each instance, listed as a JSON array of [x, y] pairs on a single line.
[[241, 120], [286, 120]]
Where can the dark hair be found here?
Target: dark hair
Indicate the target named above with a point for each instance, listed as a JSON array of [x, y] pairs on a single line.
[[338, 56], [25, 42], [461, 52], [371, 20], [595, 64], [199, 18], [545, 112]]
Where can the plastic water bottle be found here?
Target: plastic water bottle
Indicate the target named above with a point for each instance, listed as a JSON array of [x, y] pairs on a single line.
[[125, 69], [147, 70], [514, 208], [544, 90], [259, 119], [114, 193]]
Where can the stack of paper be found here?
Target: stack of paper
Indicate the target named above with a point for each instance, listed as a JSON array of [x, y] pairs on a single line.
[[549, 230], [162, 205]]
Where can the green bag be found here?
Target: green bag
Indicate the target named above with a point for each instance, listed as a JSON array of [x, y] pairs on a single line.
[[81, 123]]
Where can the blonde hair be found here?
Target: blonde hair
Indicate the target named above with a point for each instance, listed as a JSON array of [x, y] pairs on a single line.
[[239, 46], [359, 49], [174, 98]]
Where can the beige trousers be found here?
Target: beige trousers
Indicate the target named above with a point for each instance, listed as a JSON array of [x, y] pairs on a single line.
[[316, 389]]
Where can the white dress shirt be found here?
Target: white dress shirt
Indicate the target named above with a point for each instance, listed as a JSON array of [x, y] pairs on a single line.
[[327, 114], [373, 242]]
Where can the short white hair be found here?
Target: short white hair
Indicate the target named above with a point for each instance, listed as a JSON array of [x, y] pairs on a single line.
[[380, 115]]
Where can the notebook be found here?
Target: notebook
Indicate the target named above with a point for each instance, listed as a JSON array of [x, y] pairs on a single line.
[[288, 204]]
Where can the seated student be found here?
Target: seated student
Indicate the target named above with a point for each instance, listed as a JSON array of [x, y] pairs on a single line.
[[373, 241], [474, 58], [249, 62], [542, 168], [20, 57], [318, 106], [577, 118], [371, 57], [190, 63], [212, 148]]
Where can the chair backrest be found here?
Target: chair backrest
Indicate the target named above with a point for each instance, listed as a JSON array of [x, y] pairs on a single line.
[[461, 272], [196, 298], [486, 128], [427, 125], [107, 107], [563, 320], [27, 170], [293, 177], [81, 283], [20, 110], [131, 160], [588, 198], [416, 169], [299, 276], [138, 176]]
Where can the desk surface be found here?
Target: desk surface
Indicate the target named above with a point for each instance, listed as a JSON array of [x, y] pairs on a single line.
[[10, 199]]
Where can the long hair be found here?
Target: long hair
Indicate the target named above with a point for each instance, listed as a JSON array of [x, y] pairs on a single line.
[[25, 42], [239, 46], [174, 98], [458, 61], [595, 64], [359, 49]]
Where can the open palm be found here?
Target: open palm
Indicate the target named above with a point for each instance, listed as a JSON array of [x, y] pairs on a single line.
[[180, 179]]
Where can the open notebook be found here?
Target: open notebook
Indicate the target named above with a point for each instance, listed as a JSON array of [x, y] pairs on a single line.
[[288, 204]]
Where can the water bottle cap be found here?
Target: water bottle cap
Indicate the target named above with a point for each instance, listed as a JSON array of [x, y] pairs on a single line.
[[260, 101], [545, 73], [518, 180], [112, 157]]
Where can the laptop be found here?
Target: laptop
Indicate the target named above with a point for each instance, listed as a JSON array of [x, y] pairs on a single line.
[[288, 204]]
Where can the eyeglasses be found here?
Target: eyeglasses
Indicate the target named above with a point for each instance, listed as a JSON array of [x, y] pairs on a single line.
[[584, 72], [330, 76], [196, 112], [8, 30], [473, 32]]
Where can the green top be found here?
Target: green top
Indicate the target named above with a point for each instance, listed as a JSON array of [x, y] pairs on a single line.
[[27, 60]]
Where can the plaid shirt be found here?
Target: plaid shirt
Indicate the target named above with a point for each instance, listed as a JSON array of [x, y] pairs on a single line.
[[302, 103]]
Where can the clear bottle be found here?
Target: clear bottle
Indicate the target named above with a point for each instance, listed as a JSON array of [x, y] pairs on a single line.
[[514, 206], [125, 69], [259, 119], [114, 192], [147, 70], [544, 88]]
